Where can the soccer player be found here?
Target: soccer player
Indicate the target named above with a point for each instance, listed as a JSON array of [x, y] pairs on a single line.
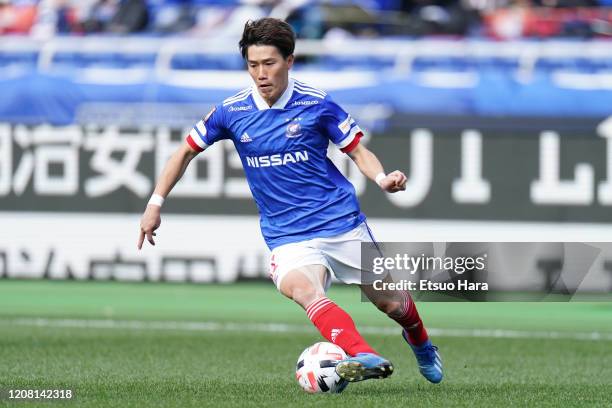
[[310, 216]]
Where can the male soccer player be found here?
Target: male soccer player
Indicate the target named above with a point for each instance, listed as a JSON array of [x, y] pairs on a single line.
[[310, 217]]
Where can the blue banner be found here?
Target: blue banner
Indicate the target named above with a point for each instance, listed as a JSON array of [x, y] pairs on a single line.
[[34, 98]]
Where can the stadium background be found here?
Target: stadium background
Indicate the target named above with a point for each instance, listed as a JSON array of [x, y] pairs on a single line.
[[500, 112]]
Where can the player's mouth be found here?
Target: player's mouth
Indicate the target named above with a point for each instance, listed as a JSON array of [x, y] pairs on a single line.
[[265, 87]]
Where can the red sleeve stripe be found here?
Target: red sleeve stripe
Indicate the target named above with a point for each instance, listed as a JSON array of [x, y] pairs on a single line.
[[349, 148], [193, 144]]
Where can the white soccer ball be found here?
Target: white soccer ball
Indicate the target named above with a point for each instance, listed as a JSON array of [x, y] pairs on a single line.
[[316, 369]]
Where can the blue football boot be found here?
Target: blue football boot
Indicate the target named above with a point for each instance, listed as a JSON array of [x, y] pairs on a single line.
[[364, 366], [428, 359]]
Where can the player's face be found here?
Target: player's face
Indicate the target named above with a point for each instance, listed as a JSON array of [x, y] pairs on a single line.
[[269, 70]]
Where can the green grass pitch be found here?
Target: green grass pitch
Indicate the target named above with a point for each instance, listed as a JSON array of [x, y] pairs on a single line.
[[176, 345]]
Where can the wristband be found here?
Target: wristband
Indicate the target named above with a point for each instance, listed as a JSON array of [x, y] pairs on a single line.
[[380, 177], [157, 200]]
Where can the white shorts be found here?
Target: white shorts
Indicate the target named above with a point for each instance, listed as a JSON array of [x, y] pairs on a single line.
[[340, 254]]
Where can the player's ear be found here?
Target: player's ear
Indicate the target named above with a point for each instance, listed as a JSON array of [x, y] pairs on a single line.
[[290, 60]]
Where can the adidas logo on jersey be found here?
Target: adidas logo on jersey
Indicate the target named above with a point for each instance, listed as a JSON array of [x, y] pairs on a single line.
[[335, 333], [245, 138]]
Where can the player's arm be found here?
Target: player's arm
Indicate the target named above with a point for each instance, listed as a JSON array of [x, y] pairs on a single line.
[[370, 166], [344, 132], [171, 174]]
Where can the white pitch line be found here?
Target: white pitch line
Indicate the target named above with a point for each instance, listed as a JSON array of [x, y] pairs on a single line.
[[293, 328]]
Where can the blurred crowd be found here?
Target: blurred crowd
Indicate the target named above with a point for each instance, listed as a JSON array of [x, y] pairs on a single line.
[[500, 19]]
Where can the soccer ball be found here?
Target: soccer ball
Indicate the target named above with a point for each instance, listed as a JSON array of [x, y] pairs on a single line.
[[316, 369]]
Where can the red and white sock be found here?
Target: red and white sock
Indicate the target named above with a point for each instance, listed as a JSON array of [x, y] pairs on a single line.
[[337, 326], [410, 320]]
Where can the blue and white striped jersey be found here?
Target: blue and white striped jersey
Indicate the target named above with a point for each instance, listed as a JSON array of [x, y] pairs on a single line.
[[299, 192]]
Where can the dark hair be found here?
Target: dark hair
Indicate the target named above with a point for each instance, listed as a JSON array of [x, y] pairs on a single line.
[[268, 31]]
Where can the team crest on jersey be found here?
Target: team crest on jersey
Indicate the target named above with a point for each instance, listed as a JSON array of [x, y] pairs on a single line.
[[293, 130], [209, 114]]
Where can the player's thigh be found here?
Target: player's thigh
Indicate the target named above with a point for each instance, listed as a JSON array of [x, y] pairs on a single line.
[[343, 254], [305, 284], [298, 269]]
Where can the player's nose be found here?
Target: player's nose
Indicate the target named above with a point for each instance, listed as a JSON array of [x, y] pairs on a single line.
[[261, 73]]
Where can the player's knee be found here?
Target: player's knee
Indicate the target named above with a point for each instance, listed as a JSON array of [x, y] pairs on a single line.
[[306, 295], [389, 307], [302, 294]]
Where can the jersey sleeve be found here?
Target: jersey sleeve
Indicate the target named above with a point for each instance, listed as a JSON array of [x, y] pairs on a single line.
[[208, 130], [339, 126]]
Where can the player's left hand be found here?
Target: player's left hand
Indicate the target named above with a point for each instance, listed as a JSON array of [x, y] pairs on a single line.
[[394, 182]]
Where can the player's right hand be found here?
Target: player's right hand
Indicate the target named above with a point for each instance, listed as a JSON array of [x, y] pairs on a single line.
[[151, 220]]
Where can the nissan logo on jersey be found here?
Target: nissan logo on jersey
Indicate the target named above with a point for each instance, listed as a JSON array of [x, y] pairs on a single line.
[[277, 159]]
